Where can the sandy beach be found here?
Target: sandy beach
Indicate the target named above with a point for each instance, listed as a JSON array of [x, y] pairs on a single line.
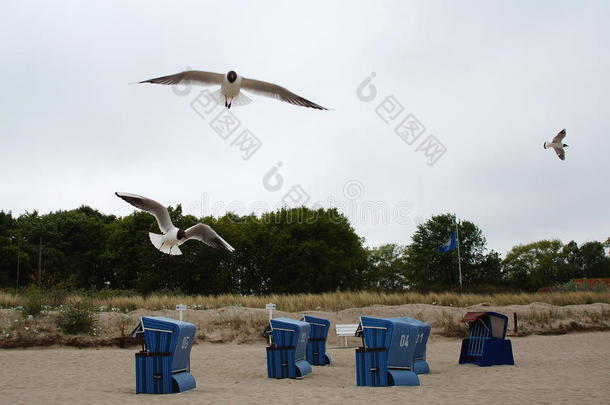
[[564, 369]]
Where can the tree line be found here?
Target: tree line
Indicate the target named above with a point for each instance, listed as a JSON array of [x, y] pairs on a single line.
[[297, 250]]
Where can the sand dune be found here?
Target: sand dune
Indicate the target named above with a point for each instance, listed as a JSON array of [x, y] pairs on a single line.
[[244, 325], [566, 369]]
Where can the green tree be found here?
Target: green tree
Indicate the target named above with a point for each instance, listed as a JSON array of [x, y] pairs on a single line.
[[535, 265], [595, 262], [588, 260], [131, 262], [485, 273], [573, 260], [431, 270], [286, 251], [8, 250], [311, 251], [389, 267], [70, 244]]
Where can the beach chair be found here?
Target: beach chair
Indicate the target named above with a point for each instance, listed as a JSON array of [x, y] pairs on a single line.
[[387, 353], [486, 344], [286, 356], [316, 345], [420, 364], [163, 364]]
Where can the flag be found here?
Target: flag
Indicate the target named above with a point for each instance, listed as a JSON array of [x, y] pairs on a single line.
[[449, 245]]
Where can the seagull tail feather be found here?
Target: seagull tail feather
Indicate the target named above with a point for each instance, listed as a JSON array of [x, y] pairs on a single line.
[[156, 240], [218, 97], [240, 100]]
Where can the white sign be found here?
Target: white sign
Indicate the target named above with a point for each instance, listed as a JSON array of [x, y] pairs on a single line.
[[180, 307], [270, 307]]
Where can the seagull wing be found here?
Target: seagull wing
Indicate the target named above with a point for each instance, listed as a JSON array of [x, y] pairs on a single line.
[[277, 92], [559, 137], [560, 152], [207, 235], [150, 206], [189, 77]]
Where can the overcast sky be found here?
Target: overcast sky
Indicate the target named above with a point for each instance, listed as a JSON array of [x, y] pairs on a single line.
[[487, 82]]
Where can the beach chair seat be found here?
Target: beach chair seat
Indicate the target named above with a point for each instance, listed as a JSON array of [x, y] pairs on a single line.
[[163, 364], [286, 355], [387, 353], [486, 344], [316, 344], [420, 364]]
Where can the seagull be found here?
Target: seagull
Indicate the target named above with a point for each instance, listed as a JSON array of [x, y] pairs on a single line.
[[557, 145], [173, 237], [231, 85]]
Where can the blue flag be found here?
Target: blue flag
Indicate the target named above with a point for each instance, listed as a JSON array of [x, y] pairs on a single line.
[[449, 245]]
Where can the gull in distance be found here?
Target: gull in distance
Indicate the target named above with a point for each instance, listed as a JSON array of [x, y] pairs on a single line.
[[557, 144]]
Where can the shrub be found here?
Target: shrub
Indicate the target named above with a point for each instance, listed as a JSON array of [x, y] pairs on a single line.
[[56, 295], [77, 318], [571, 286], [33, 301], [450, 325]]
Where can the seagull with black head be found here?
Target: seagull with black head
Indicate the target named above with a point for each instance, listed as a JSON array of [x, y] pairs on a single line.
[[231, 86], [558, 145], [172, 237]]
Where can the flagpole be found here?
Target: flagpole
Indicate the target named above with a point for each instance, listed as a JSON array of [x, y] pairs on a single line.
[[457, 236]]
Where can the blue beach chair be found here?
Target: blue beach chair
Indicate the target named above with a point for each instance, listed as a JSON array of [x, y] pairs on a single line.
[[420, 364], [486, 344], [316, 345], [163, 364], [286, 356], [387, 353]]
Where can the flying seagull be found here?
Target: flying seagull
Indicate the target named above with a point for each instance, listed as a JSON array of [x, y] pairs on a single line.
[[231, 85], [173, 237], [557, 144]]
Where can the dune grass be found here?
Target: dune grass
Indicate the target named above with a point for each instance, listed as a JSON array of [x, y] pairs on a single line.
[[336, 301]]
